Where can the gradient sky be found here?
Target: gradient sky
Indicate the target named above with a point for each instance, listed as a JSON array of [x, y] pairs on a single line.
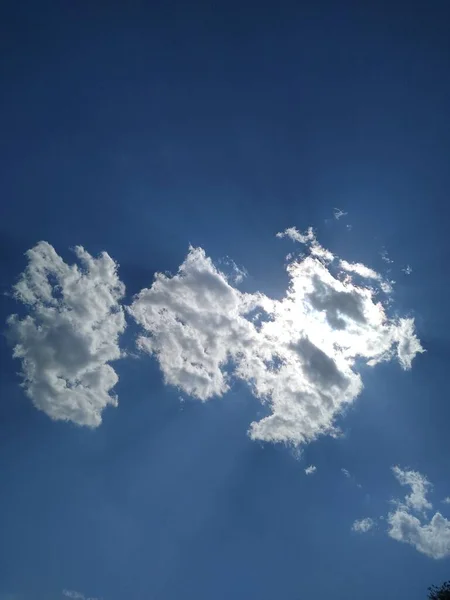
[[141, 130]]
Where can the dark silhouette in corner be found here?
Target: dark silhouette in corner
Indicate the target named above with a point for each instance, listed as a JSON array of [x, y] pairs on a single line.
[[439, 593]]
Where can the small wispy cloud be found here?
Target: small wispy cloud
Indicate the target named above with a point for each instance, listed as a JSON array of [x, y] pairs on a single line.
[[338, 213], [360, 269], [363, 525], [348, 475], [446, 500], [77, 595], [310, 470], [407, 270], [309, 239], [385, 256], [236, 274]]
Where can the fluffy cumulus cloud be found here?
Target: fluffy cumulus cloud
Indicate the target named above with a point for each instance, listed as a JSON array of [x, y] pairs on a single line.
[[310, 470], [363, 525], [431, 536], [196, 324], [70, 333], [299, 354]]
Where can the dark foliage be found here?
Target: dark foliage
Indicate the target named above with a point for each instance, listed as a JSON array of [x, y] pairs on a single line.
[[439, 593]]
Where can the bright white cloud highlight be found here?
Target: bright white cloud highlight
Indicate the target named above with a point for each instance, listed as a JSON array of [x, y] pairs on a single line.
[[363, 525], [70, 334], [310, 470], [431, 537], [360, 269], [297, 354]]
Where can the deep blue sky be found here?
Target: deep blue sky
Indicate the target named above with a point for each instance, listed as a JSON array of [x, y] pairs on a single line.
[[141, 129]]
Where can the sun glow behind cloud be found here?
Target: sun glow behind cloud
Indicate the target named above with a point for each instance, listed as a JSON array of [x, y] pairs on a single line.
[[299, 359], [299, 355]]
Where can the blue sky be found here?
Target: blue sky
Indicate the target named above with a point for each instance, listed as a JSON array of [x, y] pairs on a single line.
[[185, 135]]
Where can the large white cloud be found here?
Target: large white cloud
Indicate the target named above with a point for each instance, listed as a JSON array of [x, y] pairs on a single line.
[[429, 536], [299, 354], [70, 334]]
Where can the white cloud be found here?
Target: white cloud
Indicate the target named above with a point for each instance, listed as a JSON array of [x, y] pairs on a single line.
[[431, 537], [310, 470], [446, 500], [70, 333], [419, 487], [298, 354], [294, 234], [346, 473], [196, 324], [407, 270], [360, 269], [408, 343], [367, 273], [338, 213], [309, 239], [363, 525]]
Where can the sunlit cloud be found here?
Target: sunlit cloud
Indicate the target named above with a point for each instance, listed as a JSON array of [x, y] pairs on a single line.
[[70, 333], [409, 520], [299, 355]]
